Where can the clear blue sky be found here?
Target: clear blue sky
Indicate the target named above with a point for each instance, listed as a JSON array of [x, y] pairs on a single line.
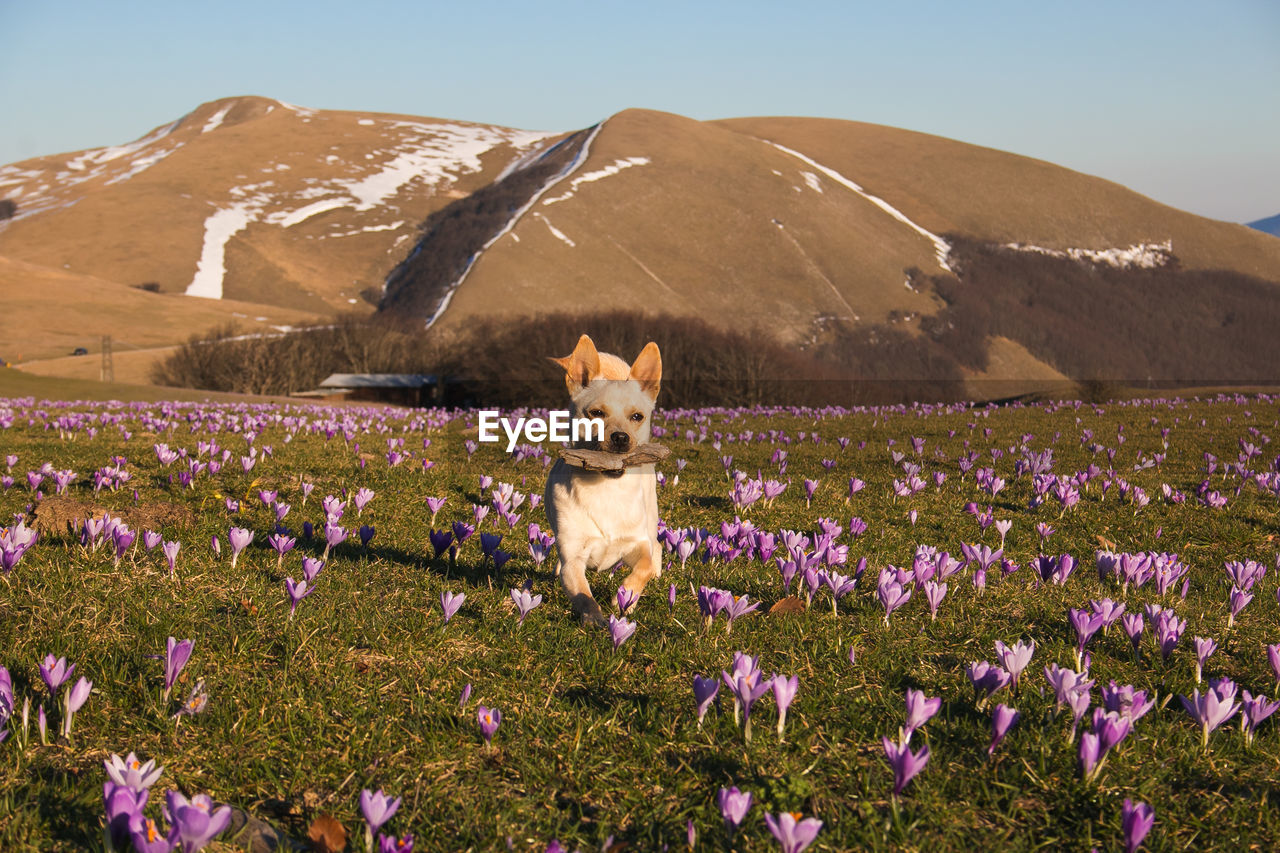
[[1178, 100]]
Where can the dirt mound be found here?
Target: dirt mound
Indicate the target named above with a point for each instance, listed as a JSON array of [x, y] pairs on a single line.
[[64, 515]]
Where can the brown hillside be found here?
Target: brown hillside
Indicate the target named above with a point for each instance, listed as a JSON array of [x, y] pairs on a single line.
[[715, 223], [806, 229], [329, 199], [50, 312], [950, 186]]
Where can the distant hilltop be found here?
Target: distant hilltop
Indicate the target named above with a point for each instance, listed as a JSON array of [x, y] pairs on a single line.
[[1270, 225]]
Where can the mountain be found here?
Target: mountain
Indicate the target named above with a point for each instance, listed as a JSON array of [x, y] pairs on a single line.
[[278, 215], [245, 208], [1270, 225]]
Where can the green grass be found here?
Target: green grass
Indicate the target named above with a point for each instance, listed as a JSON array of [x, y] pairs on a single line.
[[361, 688]]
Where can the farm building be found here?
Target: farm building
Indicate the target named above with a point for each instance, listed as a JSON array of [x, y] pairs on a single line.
[[399, 389]]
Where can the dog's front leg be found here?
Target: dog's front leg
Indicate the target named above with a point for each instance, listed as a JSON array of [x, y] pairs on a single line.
[[643, 569], [573, 574]]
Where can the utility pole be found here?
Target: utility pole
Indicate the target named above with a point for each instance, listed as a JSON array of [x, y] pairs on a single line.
[[108, 368]]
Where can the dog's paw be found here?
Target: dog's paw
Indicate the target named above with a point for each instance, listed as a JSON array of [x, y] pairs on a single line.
[[594, 619]]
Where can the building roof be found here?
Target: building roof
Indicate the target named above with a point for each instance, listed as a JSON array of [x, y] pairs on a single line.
[[378, 380]]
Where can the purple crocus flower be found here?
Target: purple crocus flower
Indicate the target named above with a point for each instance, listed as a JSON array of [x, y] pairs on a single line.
[[1273, 657], [905, 763], [934, 592], [1002, 720], [1169, 630], [792, 833], [489, 719], [671, 598], [1204, 648], [1133, 624], [150, 539], [170, 550], [333, 508], [620, 630], [297, 590], [334, 535], [738, 605], [1127, 701], [176, 655], [462, 532], [123, 807], [377, 808], [747, 684], [240, 539], [1086, 625], [1238, 601], [1015, 659], [147, 837], [987, 678], [892, 595], [391, 844], [366, 532], [311, 567], [784, 693], [75, 699], [122, 537], [55, 673], [195, 820], [1136, 821], [282, 544], [626, 599], [734, 805], [1209, 710], [450, 603], [129, 772], [1090, 754], [920, 710], [704, 692], [525, 602], [361, 499], [440, 541], [1253, 711], [435, 504]]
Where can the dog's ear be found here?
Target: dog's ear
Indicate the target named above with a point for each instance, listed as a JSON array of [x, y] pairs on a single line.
[[647, 369], [580, 365]]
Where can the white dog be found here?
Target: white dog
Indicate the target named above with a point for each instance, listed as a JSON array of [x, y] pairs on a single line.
[[601, 518]]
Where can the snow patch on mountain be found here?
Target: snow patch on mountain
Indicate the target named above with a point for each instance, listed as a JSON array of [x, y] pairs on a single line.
[[288, 219], [215, 120], [219, 228], [941, 248], [573, 166], [432, 154], [59, 186], [612, 169], [555, 232], [1140, 255]]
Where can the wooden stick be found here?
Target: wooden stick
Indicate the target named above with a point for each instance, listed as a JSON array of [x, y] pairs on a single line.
[[603, 460]]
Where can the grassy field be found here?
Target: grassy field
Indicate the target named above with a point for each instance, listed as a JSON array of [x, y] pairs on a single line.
[[361, 688]]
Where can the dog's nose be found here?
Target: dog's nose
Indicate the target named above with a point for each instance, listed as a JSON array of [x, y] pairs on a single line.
[[620, 439]]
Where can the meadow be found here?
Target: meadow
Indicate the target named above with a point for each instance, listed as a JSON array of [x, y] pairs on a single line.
[[1057, 576]]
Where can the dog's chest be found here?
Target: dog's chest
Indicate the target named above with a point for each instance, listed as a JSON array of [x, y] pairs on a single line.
[[593, 506]]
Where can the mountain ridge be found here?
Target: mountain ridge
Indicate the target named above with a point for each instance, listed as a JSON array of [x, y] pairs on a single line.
[[783, 224]]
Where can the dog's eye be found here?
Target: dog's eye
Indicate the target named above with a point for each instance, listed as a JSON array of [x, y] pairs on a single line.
[[637, 417], [596, 413]]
